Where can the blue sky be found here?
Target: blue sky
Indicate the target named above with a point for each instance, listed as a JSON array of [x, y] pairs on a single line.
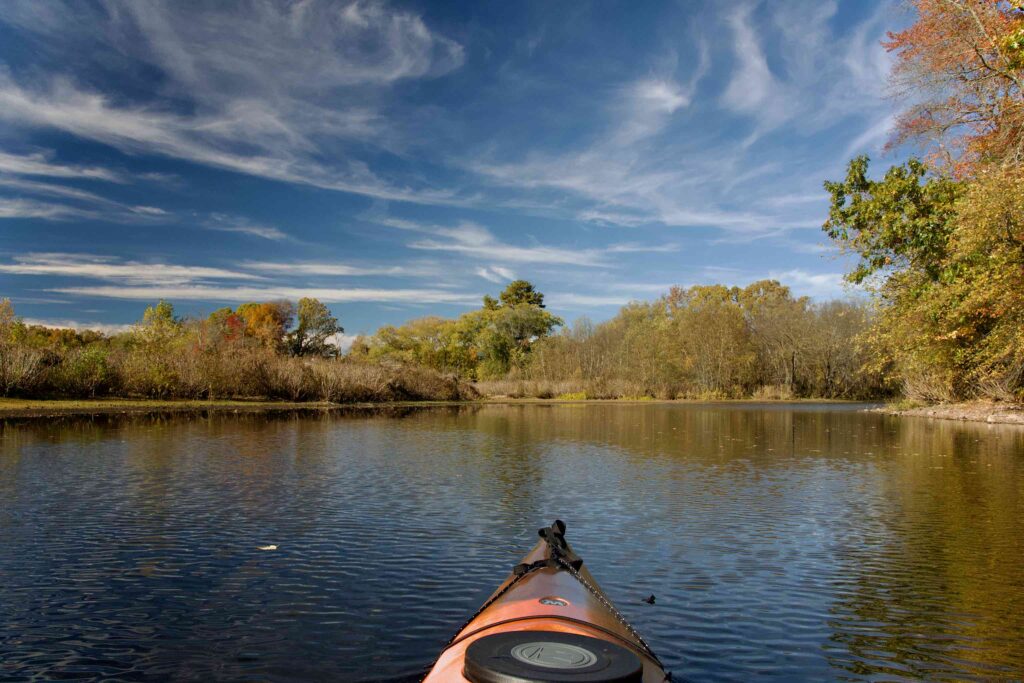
[[403, 159]]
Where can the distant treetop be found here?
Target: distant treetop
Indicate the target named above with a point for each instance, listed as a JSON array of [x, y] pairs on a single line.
[[520, 292]]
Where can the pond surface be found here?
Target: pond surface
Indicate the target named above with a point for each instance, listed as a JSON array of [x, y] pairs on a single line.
[[782, 542]]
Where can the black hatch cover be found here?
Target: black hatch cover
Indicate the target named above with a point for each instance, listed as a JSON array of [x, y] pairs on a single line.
[[549, 657]]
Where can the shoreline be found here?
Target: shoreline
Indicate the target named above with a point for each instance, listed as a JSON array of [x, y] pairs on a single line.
[[974, 411], [971, 411], [52, 408]]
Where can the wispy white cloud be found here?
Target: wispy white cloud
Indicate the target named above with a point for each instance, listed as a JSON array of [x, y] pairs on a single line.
[[752, 84], [629, 194], [274, 47], [816, 285], [795, 199], [807, 247], [820, 286], [873, 137], [263, 82], [866, 61], [30, 208], [40, 164], [113, 270], [214, 139], [572, 300], [137, 273], [496, 274], [105, 328], [649, 103], [84, 204], [475, 240], [237, 224], [660, 95], [642, 248], [149, 210], [39, 188], [792, 76], [332, 269], [241, 294]]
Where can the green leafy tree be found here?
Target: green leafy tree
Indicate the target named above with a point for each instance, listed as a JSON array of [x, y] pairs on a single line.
[[487, 342], [159, 323], [778, 331], [507, 334], [155, 346], [315, 328], [520, 292], [10, 324], [899, 224], [946, 259], [978, 311]]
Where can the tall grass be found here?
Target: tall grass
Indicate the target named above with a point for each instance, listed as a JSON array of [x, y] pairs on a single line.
[[578, 389], [621, 389], [102, 371]]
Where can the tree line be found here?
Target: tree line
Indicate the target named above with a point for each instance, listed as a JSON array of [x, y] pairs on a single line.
[[703, 342], [940, 238]]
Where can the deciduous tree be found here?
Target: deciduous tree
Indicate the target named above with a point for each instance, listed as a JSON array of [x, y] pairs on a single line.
[[315, 328], [961, 64], [267, 322], [521, 292]]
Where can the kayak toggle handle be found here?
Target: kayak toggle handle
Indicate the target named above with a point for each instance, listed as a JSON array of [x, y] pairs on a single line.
[[559, 552]]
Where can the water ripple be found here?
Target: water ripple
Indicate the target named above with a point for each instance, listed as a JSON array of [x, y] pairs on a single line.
[[809, 542]]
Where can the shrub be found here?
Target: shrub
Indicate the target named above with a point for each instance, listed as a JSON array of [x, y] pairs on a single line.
[[20, 369], [773, 392], [573, 396], [83, 372]]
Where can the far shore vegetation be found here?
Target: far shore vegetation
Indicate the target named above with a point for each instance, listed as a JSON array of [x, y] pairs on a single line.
[[938, 240], [270, 350], [705, 342]]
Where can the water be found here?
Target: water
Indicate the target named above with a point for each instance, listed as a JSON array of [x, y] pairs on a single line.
[[786, 543]]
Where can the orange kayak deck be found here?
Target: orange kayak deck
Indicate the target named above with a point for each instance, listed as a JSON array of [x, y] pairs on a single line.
[[550, 599]]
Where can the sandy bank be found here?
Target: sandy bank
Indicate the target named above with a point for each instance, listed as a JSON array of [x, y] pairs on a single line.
[[973, 411]]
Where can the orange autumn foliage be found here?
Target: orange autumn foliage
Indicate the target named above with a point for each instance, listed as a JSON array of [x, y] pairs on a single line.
[[962, 65], [268, 321]]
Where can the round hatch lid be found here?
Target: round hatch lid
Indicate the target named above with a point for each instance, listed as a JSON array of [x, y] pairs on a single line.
[[549, 657]]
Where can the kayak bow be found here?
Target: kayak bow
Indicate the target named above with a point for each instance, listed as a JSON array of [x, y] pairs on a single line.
[[549, 622]]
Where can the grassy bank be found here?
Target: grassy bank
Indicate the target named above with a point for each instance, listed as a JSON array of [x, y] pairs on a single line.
[[20, 408], [106, 370], [977, 411], [625, 390]]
